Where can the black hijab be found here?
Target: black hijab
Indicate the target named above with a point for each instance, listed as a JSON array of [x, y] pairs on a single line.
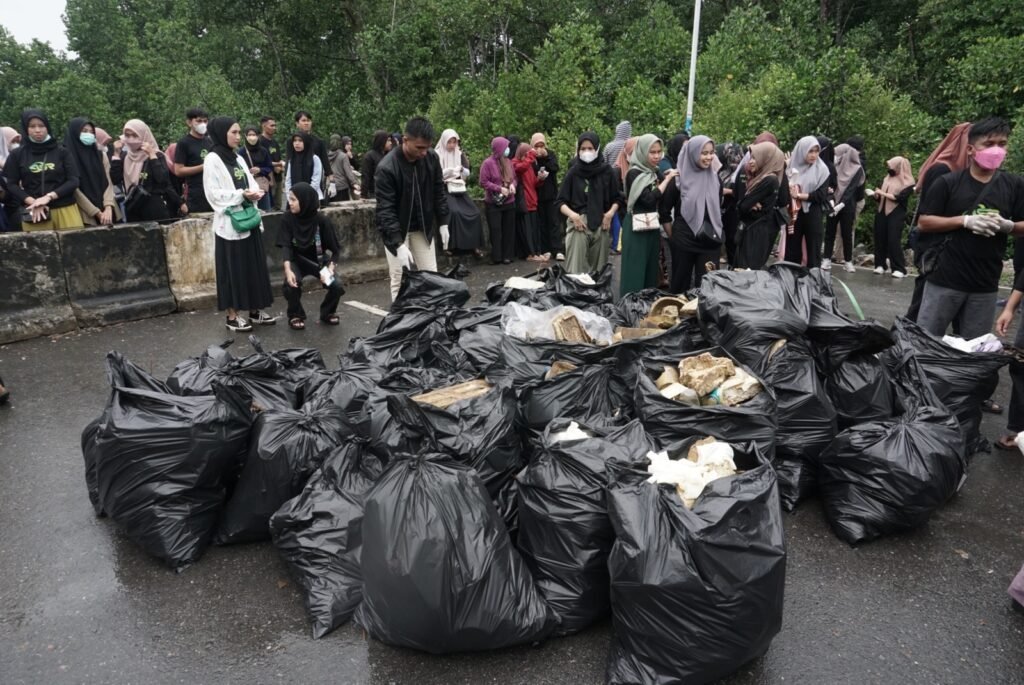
[[304, 224], [675, 146], [252, 149], [26, 140], [92, 177], [301, 162], [591, 185], [218, 131], [380, 139]]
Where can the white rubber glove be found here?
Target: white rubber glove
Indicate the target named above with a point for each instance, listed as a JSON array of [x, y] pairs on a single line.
[[445, 236], [332, 190], [981, 224], [404, 256], [1005, 225]]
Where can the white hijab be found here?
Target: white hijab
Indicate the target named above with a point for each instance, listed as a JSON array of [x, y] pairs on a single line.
[[808, 176], [449, 160]]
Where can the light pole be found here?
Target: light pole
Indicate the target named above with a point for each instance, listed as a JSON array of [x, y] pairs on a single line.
[[693, 66]]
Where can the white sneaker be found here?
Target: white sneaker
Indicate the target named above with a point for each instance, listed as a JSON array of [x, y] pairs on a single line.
[[849, 268], [879, 270], [826, 264], [898, 274], [560, 257]]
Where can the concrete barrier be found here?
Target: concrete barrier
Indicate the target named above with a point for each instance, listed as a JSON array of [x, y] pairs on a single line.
[[33, 292], [189, 246], [116, 273]]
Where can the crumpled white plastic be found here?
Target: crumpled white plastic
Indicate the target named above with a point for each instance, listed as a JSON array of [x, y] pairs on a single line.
[[573, 432], [522, 322], [520, 283], [983, 343], [714, 461]]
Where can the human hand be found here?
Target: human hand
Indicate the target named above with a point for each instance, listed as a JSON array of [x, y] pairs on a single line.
[[981, 224], [289, 276], [183, 209], [252, 195], [254, 170], [1005, 225], [42, 202], [1003, 322], [445, 236], [606, 221], [149, 149], [578, 222], [118, 144], [106, 217], [332, 189], [404, 256]]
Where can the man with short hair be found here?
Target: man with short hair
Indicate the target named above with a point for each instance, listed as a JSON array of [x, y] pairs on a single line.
[[268, 128], [304, 122], [975, 209], [189, 157], [411, 202]]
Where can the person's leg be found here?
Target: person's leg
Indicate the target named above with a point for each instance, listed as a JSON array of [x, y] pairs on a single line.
[[700, 268], [915, 300], [576, 246], [616, 232], [631, 266], [682, 268], [977, 315], [423, 253], [881, 240], [394, 272], [508, 234], [894, 244], [831, 224], [331, 298], [795, 240], [294, 298], [846, 221], [730, 225], [494, 229], [601, 245], [813, 237], [1018, 255], [939, 306], [1015, 412], [651, 254]]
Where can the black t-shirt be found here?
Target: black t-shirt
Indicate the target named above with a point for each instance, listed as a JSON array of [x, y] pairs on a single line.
[[191, 151], [272, 148], [971, 263]]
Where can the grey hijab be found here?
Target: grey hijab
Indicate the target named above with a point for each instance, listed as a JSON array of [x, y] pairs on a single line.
[[808, 176], [698, 188]]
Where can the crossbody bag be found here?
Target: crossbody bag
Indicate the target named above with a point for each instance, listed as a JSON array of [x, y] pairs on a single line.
[[930, 258]]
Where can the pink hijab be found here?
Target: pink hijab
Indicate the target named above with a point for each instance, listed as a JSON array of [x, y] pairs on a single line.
[[134, 159]]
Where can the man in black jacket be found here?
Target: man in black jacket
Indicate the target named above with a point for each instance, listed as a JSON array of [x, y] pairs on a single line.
[[410, 202]]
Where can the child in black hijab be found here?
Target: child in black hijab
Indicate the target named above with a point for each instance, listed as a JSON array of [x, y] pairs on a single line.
[[310, 248]]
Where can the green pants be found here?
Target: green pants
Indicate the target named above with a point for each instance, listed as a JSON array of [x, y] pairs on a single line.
[[640, 253], [586, 252]]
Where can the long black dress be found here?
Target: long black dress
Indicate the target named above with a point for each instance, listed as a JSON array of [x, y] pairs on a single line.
[[464, 224]]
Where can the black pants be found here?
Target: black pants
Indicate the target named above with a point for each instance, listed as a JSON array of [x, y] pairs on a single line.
[[294, 295], [889, 240], [551, 226], [688, 261], [730, 226], [808, 227], [344, 195], [501, 223], [844, 222]]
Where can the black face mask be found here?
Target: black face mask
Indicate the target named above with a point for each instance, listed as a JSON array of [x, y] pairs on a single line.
[[892, 172]]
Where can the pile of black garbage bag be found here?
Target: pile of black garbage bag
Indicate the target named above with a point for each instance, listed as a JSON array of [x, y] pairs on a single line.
[[524, 512]]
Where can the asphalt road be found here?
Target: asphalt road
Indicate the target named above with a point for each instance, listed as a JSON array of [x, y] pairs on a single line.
[[80, 604]]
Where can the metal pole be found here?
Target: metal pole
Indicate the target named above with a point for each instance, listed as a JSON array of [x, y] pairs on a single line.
[[693, 66]]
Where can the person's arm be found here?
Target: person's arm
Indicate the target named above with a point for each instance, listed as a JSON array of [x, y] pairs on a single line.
[[12, 172], [551, 162], [287, 184], [71, 179], [666, 208], [160, 178], [318, 176], [386, 216], [440, 196], [218, 186], [180, 170], [933, 207], [616, 200], [466, 168], [266, 164], [116, 170], [758, 196], [350, 176], [1006, 316], [325, 163], [819, 196], [488, 181]]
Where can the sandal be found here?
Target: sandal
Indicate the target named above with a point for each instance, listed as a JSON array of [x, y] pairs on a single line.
[[1007, 442], [4, 392], [331, 320], [991, 407], [296, 324]]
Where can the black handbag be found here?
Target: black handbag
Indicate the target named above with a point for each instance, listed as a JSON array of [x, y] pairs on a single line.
[[136, 198]]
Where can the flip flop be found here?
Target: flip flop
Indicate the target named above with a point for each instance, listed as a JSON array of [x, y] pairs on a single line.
[[1001, 444], [991, 407], [296, 324], [331, 320]]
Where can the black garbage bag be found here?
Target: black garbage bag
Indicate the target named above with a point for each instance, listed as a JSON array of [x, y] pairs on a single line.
[[585, 392], [565, 534], [404, 338], [297, 363], [834, 332], [439, 571], [456, 321], [430, 290], [673, 423], [632, 307], [348, 388], [318, 534], [285, 448], [629, 354], [161, 462], [962, 380], [572, 293], [884, 477], [529, 360], [260, 375], [121, 373], [860, 391], [695, 593], [746, 312], [498, 295], [482, 345], [806, 418]]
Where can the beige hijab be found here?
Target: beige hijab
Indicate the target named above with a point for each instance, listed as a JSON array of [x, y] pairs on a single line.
[[135, 159], [770, 162], [896, 184]]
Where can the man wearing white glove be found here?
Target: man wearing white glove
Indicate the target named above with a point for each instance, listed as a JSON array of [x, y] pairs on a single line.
[[445, 236], [412, 209], [974, 209]]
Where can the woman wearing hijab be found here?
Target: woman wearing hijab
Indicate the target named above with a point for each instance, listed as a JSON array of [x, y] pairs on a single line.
[[762, 180], [380, 146], [729, 156], [42, 178], [498, 180], [95, 193], [466, 233], [849, 191], [892, 199], [243, 283], [950, 155], [696, 233], [140, 169], [808, 185], [260, 165], [9, 141], [528, 183], [589, 198], [341, 167], [310, 248], [641, 229], [304, 165]]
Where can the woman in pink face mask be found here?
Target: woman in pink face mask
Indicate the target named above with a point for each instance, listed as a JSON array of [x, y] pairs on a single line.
[[141, 168]]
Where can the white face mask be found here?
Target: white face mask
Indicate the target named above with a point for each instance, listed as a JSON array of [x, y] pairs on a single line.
[[200, 129], [588, 156]]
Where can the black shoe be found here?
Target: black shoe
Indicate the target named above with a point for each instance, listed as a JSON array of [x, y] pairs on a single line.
[[262, 318], [506, 261], [238, 325]]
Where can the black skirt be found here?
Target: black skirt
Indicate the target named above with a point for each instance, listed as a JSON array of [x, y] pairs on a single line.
[[243, 282], [527, 235], [464, 225]]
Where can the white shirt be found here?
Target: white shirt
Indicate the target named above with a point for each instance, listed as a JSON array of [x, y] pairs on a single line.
[[222, 194]]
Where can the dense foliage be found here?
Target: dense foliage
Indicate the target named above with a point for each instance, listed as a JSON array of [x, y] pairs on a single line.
[[900, 72]]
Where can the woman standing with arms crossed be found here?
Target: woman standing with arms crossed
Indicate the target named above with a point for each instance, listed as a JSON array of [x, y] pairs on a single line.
[[892, 199], [641, 229], [243, 282], [808, 181]]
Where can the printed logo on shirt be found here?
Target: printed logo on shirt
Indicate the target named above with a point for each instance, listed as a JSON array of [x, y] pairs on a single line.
[[143, 175], [40, 167], [202, 155], [239, 174]]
